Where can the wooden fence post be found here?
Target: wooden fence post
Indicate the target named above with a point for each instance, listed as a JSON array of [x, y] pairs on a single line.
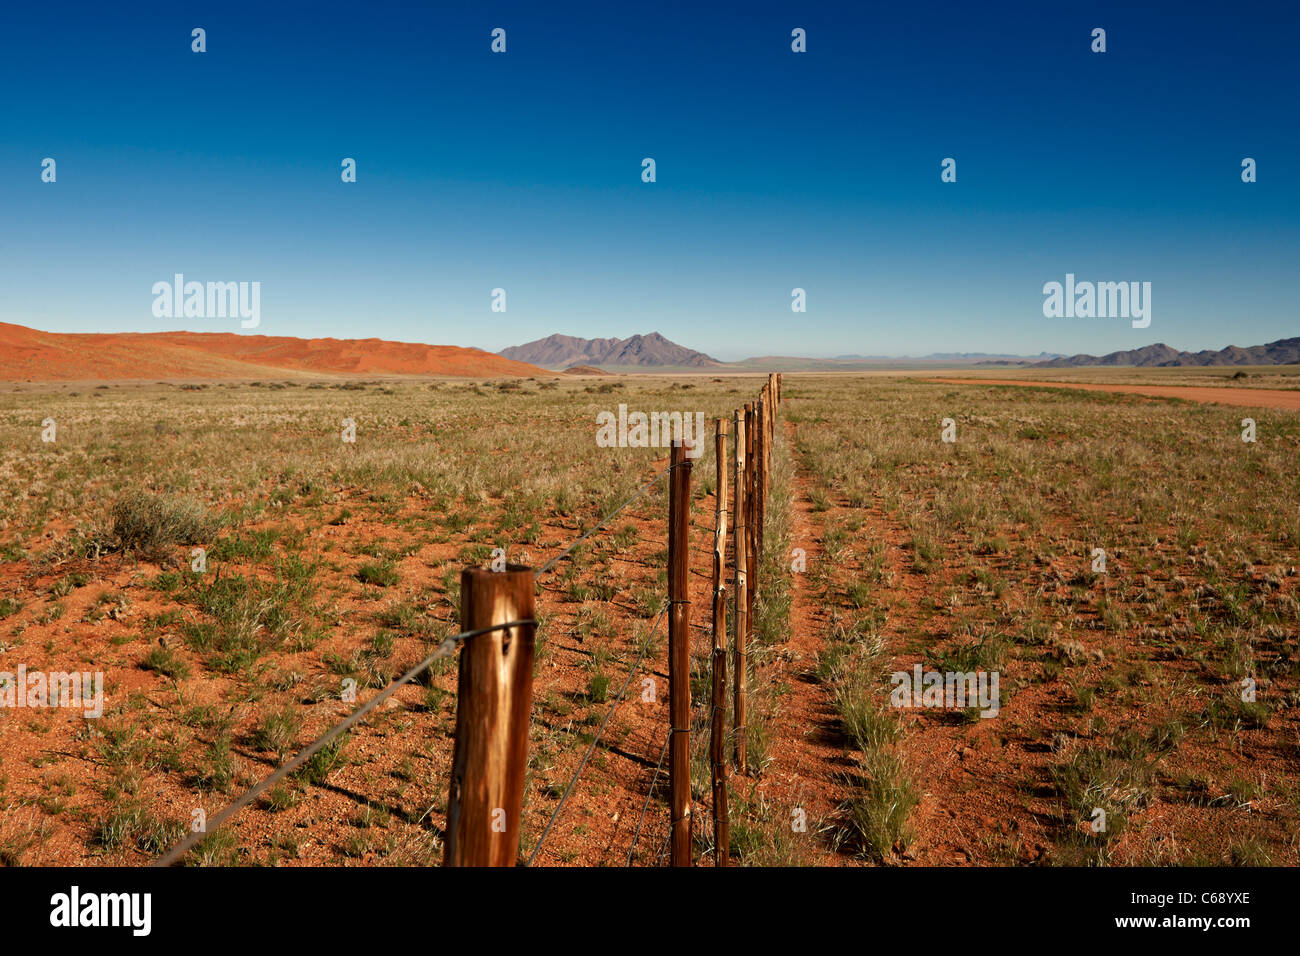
[[751, 497], [717, 749], [740, 539], [760, 483], [768, 438], [493, 704], [768, 419], [771, 414], [679, 654]]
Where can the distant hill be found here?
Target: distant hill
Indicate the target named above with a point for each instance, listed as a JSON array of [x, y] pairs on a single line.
[[992, 358], [29, 354], [1281, 352], [562, 351]]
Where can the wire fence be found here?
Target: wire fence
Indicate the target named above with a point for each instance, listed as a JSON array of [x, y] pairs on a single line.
[[649, 796], [445, 649], [602, 523], [451, 644], [618, 699]]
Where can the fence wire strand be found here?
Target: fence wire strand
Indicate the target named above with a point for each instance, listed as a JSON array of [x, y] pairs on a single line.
[[445, 649], [603, 521], [649, 796], [618, 699]]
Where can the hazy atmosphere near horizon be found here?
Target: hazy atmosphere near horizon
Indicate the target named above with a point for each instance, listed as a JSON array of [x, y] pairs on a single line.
[[774, 170]]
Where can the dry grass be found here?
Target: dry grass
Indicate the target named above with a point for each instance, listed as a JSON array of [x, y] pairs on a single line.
[[331, 562], [326, 563], [991, 543]]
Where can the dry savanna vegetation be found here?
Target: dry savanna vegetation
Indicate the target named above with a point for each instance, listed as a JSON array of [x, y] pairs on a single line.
[[328, 563]]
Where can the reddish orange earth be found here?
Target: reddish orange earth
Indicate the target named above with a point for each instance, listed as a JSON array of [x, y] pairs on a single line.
[[31, 355], [1249, 397]]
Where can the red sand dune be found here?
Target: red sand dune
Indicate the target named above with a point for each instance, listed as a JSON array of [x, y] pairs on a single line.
[[30, 355]]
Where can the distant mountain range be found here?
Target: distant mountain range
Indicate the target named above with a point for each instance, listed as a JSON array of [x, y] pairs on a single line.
[[29, 354], [653, 351], [1281, 352], [562, 351]]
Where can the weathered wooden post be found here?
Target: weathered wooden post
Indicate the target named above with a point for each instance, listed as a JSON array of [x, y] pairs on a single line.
[[766, 398], [772, 403], [717, 748], [760, 482], [769, 440], [771, 419], [679, 654], [751, 498], [740, 539], [770, 415], [493, 703]]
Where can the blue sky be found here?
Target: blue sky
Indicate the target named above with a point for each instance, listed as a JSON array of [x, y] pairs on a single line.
[[775, 170]]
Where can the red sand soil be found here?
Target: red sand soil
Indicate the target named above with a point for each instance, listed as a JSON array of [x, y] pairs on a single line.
[[31, 355], [1248, 397]]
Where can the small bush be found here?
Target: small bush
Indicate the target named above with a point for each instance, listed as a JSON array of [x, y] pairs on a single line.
[[149, 524], [878, 816], [277, 732], [379, 573], [167, 662]]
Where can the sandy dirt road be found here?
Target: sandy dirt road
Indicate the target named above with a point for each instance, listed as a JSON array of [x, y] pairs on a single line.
[[1247, 397]]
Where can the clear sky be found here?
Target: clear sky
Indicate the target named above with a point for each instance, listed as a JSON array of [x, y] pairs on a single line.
[[775, 170]]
